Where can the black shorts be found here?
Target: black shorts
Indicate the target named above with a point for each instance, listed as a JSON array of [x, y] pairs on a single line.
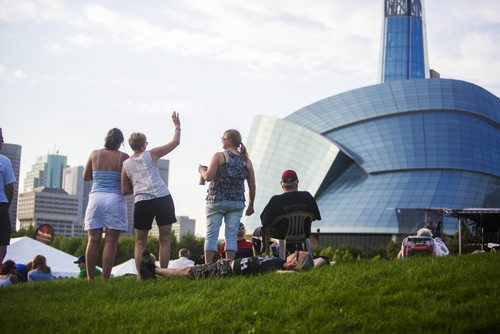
[[4, 224], [220, 268], [160, 208]]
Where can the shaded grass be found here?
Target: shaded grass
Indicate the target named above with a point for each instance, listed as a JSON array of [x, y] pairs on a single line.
[[452, 294]]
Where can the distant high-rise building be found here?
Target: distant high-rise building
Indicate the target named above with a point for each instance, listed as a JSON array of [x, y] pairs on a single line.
[[46, 172], [13, 152], [403, 45], [74, 184], [183, 225], [52, 206]]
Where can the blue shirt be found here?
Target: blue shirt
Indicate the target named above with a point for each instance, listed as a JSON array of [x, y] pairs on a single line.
[[35, 275], [6, 177]]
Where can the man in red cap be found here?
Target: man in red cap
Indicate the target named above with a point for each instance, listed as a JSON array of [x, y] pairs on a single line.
[[290, 200]]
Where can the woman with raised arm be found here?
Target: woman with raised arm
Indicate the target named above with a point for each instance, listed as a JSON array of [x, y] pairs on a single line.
[[141, 176]]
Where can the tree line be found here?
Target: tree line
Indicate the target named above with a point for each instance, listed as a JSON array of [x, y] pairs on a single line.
[[76, 245]]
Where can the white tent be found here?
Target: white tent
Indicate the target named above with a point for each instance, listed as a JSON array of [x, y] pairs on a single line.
[[125, 268], [24, 249]]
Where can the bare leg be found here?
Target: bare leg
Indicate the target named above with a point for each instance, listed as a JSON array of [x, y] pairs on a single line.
[[230, 255], [172, 272], [141, 240], [164, 244], [209, 256], [92, 251], [109, 252]]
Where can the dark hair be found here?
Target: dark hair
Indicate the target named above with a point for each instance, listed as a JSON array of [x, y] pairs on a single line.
[[113, 139], [40, 264], [7, 267], [235, 137]]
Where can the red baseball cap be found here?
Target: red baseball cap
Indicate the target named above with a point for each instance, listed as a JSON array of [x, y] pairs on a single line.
[[289, 176]]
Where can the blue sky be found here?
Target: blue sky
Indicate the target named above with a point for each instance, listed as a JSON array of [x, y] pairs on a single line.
[[71, 70]]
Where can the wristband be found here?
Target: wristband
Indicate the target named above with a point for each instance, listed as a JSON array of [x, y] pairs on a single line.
[[177, 129]]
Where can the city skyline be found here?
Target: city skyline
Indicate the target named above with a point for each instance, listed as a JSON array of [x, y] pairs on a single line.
[[83, 68]]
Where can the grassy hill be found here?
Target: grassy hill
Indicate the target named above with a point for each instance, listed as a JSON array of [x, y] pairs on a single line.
[[457, 294]]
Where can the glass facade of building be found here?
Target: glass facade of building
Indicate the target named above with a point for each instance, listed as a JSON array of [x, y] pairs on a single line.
[[429, 143], [46, 172], [407, 144], [404, 47], [276, 145]]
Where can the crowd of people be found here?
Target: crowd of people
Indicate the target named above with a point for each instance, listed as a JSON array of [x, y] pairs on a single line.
[[115, 174]]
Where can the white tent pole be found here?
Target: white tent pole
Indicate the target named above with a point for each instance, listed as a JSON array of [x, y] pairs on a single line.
[[459, 235]]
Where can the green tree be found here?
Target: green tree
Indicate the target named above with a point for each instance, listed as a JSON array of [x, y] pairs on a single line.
[[328, 252], [23, 232], [125, 250], [193, 243]]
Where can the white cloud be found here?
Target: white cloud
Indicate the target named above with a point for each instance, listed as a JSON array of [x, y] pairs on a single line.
[[154, 107], [57, 48], [19, 74], [83, 40], [269, 36]]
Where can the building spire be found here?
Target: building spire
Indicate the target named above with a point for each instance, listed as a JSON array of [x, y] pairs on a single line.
[[404, 45]]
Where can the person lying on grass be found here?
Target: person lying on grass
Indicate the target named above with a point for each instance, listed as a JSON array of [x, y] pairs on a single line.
[[296, 261]]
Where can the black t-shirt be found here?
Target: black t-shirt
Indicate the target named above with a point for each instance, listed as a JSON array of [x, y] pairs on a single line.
[[285, 203], [257, 265]]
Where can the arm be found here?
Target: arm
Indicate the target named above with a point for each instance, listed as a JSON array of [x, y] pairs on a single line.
[[209, 173], [126, 184], [267, 215], [87, 171], [160, 151], [251, 188], [9, 191]]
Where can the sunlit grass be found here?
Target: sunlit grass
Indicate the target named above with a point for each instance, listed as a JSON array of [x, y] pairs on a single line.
[[453, 294]]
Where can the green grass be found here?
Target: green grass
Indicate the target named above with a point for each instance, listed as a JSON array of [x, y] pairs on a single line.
[[452, 294]]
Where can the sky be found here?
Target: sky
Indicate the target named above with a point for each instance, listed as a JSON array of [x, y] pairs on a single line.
[[72, 70]]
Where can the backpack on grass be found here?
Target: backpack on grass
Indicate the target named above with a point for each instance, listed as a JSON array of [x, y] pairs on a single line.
[[418, 246]]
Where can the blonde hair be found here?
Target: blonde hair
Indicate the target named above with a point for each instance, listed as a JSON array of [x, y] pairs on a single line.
[[136, 140], [234, 137]]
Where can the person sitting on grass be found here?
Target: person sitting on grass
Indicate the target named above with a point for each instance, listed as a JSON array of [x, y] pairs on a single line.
[[183, 260], [8, 273], [83, 268], [40, 271], [438, 246], [244, 246], [297, 261]]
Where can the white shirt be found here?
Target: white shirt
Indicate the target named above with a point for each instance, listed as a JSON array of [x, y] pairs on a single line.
[[181, 263], [145, 177]]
